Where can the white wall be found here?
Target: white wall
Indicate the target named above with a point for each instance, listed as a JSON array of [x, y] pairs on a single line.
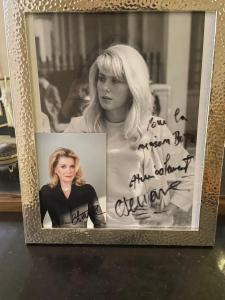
[[4, 70]]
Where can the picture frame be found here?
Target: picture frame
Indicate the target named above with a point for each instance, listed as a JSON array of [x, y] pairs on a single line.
[[222, 190], [23, 64]]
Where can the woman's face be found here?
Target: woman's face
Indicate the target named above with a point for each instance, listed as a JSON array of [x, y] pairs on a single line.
[[65, 169], [114, 95]]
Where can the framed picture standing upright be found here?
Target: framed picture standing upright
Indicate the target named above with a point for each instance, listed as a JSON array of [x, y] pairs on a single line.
[[119, 119]]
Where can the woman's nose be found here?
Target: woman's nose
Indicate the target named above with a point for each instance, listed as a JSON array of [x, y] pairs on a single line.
[[106, 86]]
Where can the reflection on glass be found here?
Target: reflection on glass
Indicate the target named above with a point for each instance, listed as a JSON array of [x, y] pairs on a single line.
[[221, 262], [9, 177]]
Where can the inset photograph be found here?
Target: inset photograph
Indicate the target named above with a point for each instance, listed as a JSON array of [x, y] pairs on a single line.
[[72, 180]]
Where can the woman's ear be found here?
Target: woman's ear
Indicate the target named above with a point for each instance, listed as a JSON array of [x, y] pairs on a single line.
[[55, 174]]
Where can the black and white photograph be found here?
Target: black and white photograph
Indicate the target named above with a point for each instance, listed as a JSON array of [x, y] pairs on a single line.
[[72, 180], [148, 77], [137, 78]]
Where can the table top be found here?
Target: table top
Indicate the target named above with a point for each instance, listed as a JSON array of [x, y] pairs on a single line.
[[108, 272]]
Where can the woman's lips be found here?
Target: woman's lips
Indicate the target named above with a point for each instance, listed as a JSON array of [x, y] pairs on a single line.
[[106, 98]]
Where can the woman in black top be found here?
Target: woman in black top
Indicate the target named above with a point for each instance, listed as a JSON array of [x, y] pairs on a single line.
[[67, 198]]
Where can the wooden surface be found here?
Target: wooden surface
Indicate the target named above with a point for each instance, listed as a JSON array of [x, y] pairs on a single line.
[[10, 203], [62, 272]]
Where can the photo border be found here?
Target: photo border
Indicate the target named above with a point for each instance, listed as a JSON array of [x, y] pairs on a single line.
[[21, 88]]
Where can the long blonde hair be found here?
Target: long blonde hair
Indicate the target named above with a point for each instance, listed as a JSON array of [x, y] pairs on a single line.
[[53, 161], [123, 62]]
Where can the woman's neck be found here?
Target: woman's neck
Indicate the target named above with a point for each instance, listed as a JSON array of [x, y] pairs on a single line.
[[65, 185], [116, 116]]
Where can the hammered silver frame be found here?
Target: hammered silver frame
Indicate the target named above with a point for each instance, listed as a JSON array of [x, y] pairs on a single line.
[[15, 11]]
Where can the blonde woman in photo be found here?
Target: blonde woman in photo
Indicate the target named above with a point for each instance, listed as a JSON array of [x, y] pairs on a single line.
[[149, 173], [67, 198]]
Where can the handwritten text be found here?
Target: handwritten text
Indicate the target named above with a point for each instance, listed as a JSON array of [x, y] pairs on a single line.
[[125, 207]]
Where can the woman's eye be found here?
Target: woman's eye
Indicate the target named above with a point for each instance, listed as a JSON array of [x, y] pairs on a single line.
[[101, 78], [116, 80]]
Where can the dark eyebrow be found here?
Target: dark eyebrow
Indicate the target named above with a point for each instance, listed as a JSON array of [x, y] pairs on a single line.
[[61, 165]]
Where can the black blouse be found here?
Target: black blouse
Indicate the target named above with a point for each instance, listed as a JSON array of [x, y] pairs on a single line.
[[74, 210]]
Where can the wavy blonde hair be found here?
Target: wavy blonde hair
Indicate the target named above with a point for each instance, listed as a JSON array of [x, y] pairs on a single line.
[[53, 161], [123, 62]]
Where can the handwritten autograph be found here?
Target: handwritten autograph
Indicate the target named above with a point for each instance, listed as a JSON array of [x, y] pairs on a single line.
[[154, 122], [179, 117], [125, 207], [170, 169], [178, 138], [81, 216], [155, 144], [166, 169]]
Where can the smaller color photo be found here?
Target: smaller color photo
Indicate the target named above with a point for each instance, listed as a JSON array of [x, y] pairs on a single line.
[[72, 180]]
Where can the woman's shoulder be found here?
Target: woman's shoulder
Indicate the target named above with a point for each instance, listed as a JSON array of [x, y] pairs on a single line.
[[87, 190], [46, 189], [86, 187], [77, 124]]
